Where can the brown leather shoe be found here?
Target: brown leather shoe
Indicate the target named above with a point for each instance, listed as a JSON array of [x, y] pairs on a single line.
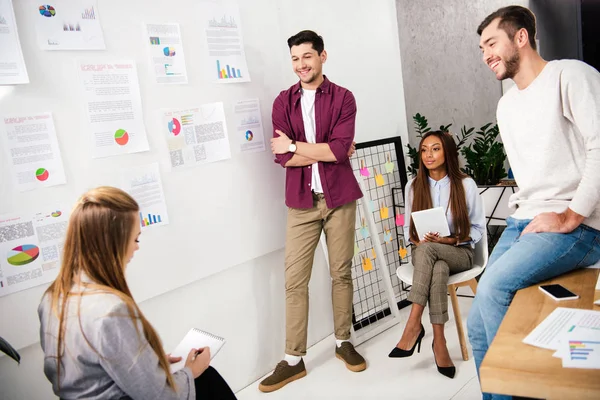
[[282, 375], [354, 361]]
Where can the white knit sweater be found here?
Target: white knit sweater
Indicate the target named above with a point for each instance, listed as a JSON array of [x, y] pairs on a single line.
[[551, 133]]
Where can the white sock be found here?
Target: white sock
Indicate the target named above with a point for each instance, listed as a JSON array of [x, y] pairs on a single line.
[[292, 360], [339, 342]]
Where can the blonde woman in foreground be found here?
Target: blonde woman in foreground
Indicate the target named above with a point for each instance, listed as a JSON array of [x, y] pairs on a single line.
[[97, 343]]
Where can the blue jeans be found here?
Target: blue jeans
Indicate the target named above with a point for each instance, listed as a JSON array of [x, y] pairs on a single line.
[[516, 263]]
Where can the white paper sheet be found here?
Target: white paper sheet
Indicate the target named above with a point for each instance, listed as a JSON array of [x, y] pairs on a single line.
[[114, 107], [552, 330], [32, 150], [581, 349], [249, 134], [30, 248], [12, 64], [167, 60], [225, 42], [196, 136], [143, 183], [68, 25]]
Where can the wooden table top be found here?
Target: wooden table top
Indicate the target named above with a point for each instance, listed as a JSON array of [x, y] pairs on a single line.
[[514, 368]]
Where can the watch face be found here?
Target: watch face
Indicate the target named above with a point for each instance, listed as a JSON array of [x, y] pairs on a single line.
[[292, 148]]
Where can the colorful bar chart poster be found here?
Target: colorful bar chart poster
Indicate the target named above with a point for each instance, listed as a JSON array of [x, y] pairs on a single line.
[[225, 43], [196, 136], [248, 126], [143, 183], [67, 25], [13, 69], [32, 151], [30, 248], [114, 107], [166, 53]]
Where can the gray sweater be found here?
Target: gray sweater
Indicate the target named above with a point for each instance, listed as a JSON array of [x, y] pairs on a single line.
[[124, 366]]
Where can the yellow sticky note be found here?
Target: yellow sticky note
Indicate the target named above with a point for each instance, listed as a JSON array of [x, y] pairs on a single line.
[[378, 178], [384, 212], [366, 264], [356, 249], [403, 252], [374, 255]]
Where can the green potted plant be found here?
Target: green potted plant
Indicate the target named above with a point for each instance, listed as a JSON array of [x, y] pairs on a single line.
[[485, 156]]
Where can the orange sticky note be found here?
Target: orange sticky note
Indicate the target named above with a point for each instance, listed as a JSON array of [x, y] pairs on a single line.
[[384, 212], [366, 264], [403, 252], [374, 255], [378, 178]]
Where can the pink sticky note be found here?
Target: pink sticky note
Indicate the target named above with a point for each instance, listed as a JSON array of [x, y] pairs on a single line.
[[365, 172], [399, 219]]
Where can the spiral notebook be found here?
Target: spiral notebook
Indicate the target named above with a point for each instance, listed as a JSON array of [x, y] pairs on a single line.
[[196, 339]]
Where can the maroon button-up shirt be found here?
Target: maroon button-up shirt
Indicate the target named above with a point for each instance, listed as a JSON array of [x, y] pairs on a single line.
[[335, 115]]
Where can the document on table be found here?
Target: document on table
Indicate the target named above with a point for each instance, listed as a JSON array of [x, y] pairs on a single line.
[[549, 333], [580, 349]]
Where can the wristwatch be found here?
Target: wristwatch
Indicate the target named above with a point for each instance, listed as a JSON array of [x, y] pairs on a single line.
[[292, 148]]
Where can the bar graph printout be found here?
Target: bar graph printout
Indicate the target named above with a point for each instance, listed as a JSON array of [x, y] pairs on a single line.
[[225, 43], [144, 185]]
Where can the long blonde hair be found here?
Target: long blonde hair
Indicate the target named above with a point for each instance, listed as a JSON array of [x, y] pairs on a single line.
[[99, 232]]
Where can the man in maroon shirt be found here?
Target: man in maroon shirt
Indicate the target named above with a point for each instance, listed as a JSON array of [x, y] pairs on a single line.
[[313, 124]]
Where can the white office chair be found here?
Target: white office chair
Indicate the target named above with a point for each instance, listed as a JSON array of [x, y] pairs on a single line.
[[466, 278]]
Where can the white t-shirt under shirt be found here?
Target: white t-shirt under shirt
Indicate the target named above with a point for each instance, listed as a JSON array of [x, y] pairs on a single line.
[[551, 133], [308, 116]]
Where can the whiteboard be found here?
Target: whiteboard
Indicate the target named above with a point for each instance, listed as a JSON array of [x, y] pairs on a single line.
[[221, 214]]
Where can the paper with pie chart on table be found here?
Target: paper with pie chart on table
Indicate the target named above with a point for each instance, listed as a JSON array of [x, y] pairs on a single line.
[[196, 136], [32, 150], [30, 248], [114, 107], [248, 126]]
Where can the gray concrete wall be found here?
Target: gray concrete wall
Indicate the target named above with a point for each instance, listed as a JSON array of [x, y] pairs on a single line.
[[444, 76]]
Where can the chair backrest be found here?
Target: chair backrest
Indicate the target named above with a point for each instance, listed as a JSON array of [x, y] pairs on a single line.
[[481, 248]]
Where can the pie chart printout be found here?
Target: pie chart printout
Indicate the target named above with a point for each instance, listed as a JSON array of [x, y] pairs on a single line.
[[23, 255]]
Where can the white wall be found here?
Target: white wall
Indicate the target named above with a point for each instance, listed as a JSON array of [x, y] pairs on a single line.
[[246, 303]]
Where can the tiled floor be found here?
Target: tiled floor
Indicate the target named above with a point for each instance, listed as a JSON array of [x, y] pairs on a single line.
[[415, 377]]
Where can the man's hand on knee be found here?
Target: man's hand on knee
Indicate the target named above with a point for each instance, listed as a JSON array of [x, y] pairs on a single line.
[[554, 222]]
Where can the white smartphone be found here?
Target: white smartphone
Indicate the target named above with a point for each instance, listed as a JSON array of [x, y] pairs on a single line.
[[558, 292]]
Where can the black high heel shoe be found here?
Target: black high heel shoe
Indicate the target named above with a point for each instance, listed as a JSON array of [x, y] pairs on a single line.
[[399, 353], [446, 371]]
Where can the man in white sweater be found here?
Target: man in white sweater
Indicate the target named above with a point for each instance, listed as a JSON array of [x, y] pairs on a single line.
[[550, 125]]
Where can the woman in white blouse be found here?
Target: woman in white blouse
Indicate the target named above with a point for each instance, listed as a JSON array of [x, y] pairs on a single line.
[[96, 341], [439, 183]]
